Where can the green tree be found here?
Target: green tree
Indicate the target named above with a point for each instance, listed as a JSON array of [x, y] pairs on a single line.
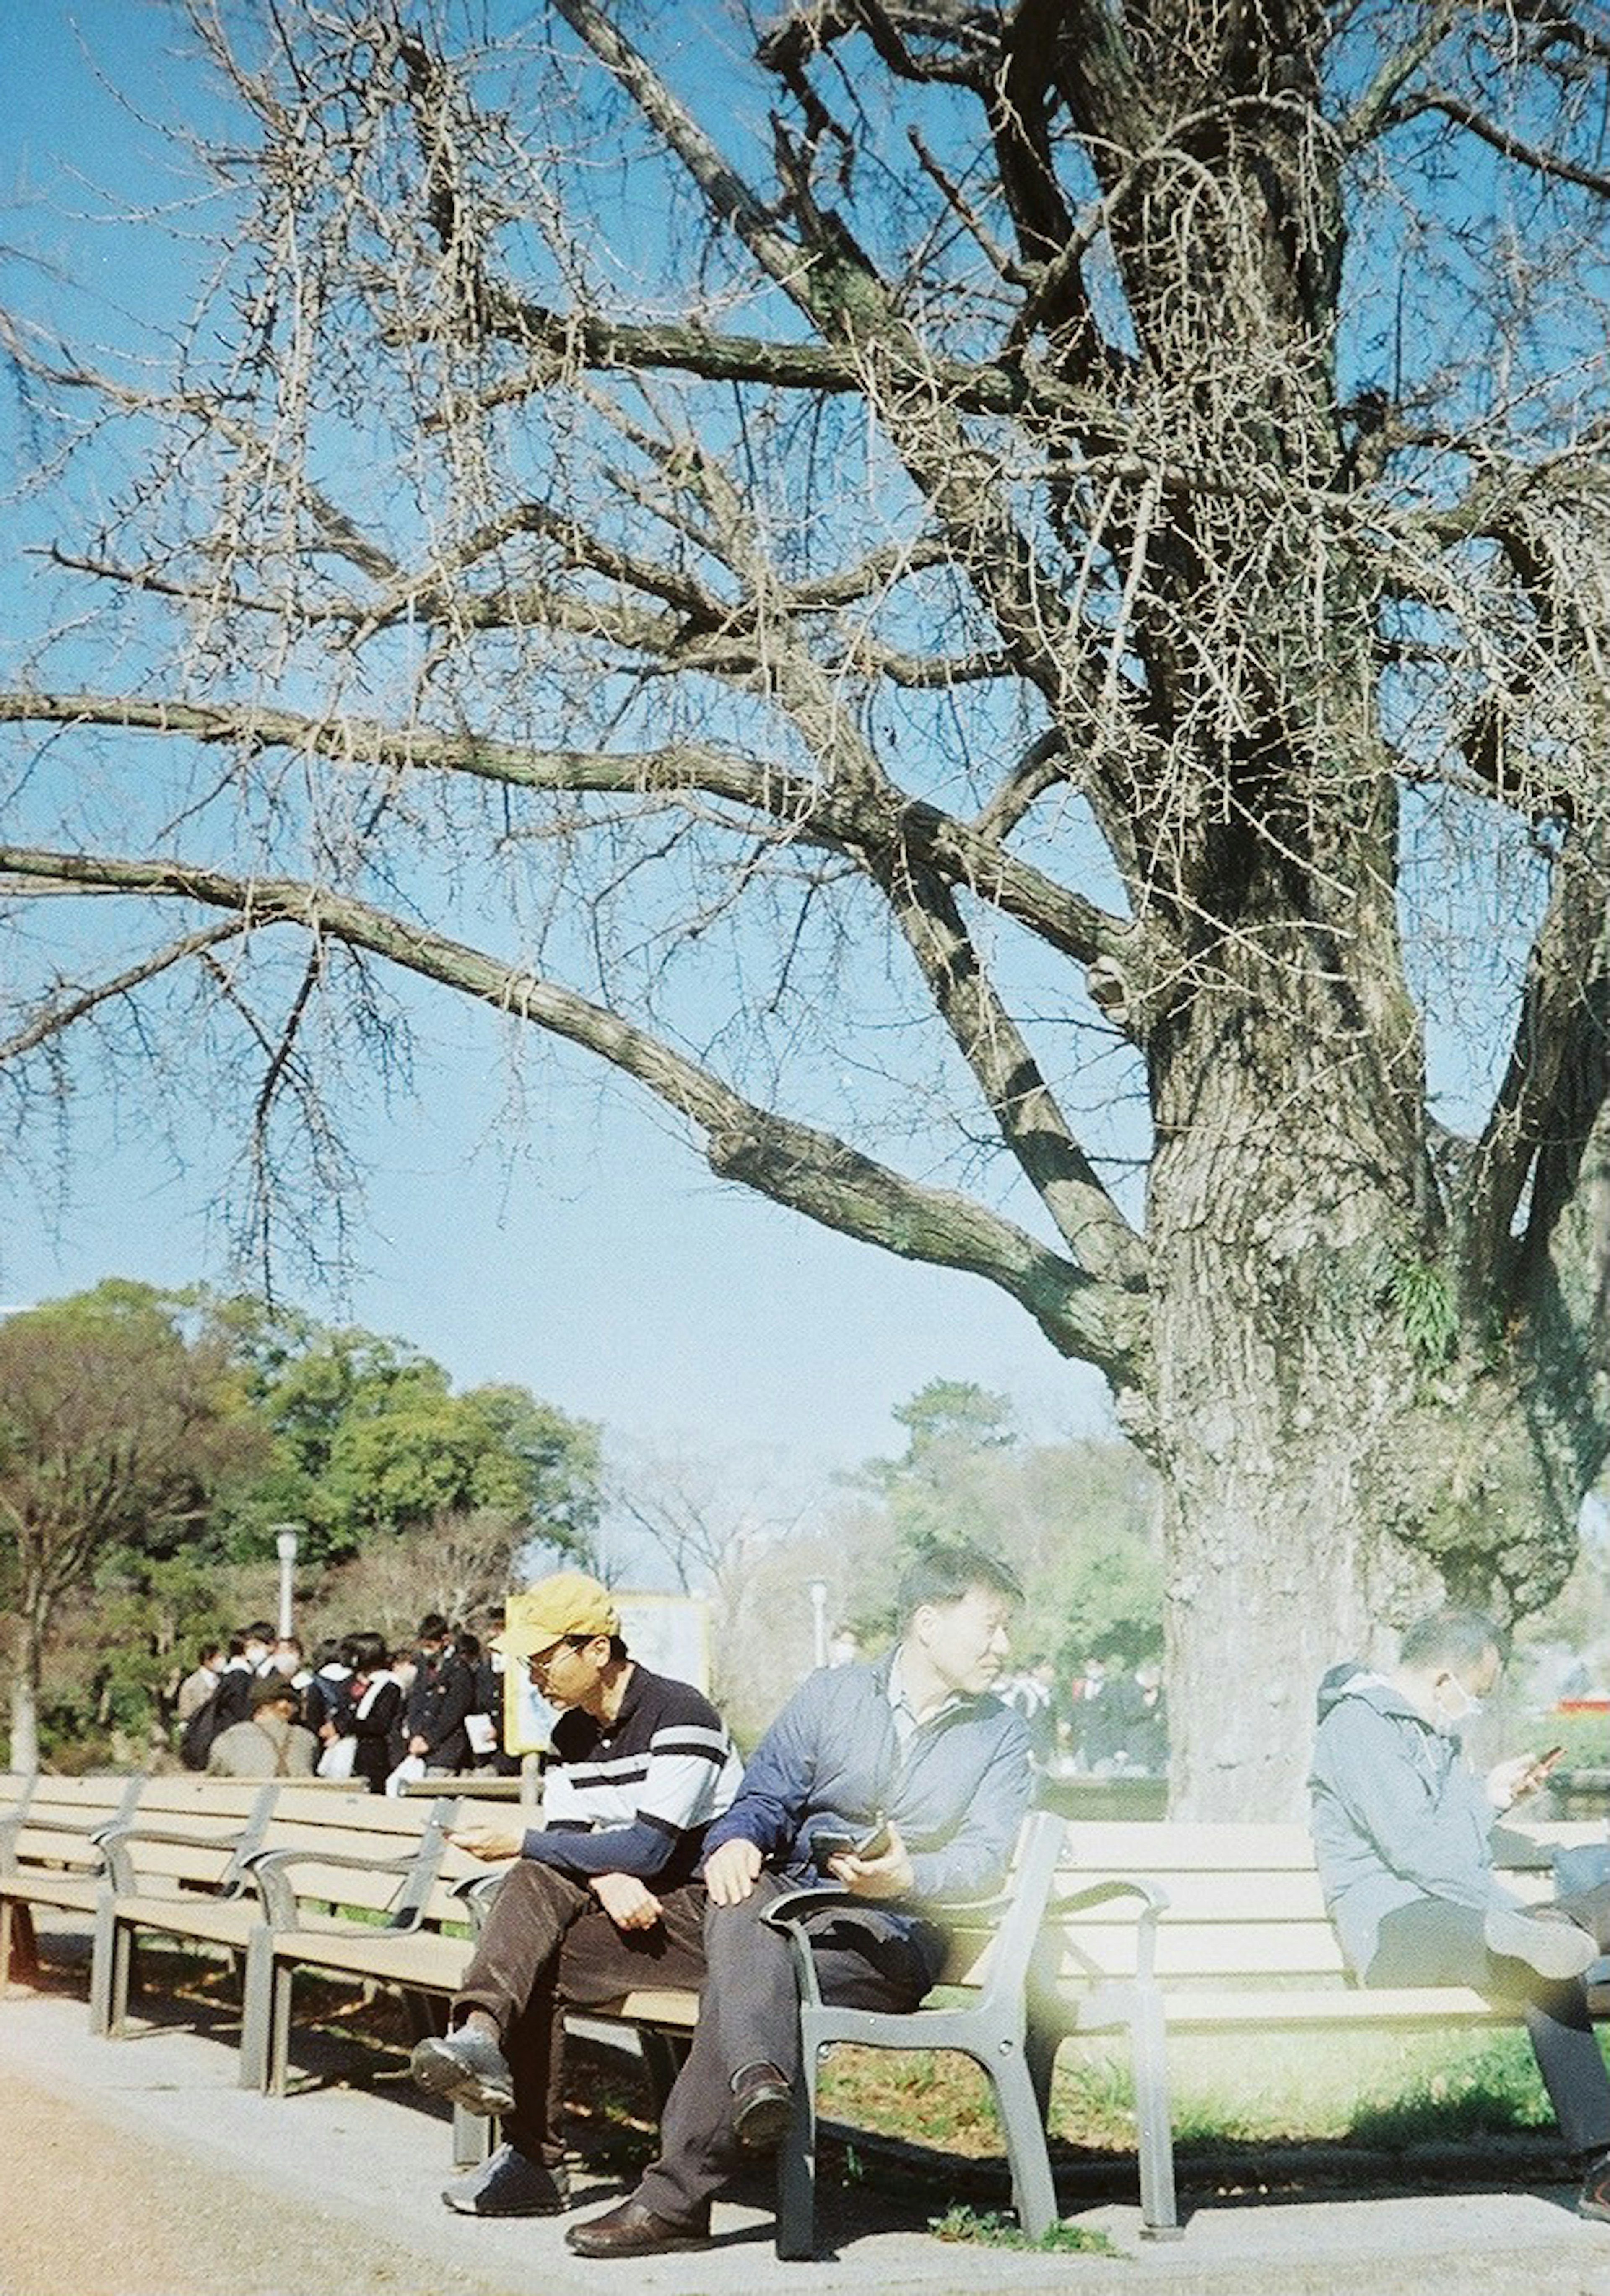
[[117, 1434], [964, 565], [1077, 1523], [370, 1441]]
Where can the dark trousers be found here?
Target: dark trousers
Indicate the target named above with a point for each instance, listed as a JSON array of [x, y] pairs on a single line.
[[749, 2015], [1435, 1942], [549, 1946]]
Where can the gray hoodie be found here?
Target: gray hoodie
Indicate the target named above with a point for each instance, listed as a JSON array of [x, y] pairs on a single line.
[[1397, 1814]]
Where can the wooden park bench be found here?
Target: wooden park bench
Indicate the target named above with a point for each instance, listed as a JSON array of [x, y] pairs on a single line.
[[425, 1946], [342, 1906], [50, 1854], [189, 1875], [1235, 1940], [1142, 1929]]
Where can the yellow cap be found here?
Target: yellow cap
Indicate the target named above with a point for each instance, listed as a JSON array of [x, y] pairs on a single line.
[[569, 1602]]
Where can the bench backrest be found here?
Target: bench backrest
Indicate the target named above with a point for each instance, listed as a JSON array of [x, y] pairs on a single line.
[[192, 1834], [56, 1824], [994, 1943], [1244, 1902], [383, 1827]]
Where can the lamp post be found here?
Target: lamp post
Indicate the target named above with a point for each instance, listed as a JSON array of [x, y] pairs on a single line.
[[819, 1607], [285, 1538]]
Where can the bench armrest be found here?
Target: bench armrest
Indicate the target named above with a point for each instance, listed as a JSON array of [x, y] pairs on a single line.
[[786, 1915], [10, 1827], [114, 1841], [477, 1890], [1152, 1901], [270, 1870]]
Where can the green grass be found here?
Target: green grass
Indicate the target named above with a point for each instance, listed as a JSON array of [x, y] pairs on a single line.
[[989, 2229], [1366, 2089]]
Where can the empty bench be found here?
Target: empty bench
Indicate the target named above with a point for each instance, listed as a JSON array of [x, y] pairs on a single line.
[[191, 1874], [51, 1852]]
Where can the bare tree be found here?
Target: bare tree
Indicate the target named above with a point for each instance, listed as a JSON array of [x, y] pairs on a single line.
[[706, 1512], [461, 1565], [907, 581]]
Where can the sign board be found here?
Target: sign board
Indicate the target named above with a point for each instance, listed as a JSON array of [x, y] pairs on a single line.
[[668, 1633]]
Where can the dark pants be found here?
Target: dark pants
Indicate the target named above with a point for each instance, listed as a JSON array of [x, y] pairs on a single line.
[[749, 2015], [549, 1946], [1438, 1943]]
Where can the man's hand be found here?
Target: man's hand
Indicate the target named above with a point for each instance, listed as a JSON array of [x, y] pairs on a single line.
[[492, 1841], [732, 1871], [418, 1745], [887, 1876], [1522, 1773], [629, 1904]]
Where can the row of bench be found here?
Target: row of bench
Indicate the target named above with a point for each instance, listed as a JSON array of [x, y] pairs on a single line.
[[1138, 1928]]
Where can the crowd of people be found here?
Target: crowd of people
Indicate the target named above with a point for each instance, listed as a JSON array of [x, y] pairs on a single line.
[[259, 1705], [1104, 1722]]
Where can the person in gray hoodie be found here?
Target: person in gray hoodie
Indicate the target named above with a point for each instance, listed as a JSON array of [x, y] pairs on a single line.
[[1402, 1838]]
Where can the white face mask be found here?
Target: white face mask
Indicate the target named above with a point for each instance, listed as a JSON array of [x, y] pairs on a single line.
[[1451, 1722]]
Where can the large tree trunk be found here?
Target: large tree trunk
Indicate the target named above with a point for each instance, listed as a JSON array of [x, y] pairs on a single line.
[[1332, 1468]]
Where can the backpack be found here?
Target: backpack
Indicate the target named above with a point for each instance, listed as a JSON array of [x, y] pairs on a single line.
[[196, 1744]]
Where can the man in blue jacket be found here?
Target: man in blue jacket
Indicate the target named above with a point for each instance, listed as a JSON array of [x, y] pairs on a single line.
[[1403, 1830], [914, 1762]]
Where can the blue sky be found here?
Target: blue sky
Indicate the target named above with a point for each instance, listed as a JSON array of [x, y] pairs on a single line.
[[610, 1274]]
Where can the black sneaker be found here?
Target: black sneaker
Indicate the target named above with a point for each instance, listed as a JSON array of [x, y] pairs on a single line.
[[466, 2066], [1594, 2199], [508, 2184]]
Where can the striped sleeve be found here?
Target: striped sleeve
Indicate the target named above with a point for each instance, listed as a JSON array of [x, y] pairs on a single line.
[[692, 1774]]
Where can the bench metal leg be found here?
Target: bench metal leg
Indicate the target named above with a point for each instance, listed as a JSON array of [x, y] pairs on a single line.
[[1158, 2210], [1039, 2054], [1034, 2194], [476, 2137], [664, 2054], [796, 2236], [110, 1973], [257, 2012]]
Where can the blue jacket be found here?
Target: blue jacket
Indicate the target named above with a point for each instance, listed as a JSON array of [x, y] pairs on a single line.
[[1397, 1814], [832, 1761]]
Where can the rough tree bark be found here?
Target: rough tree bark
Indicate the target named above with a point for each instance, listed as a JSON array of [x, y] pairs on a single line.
[[1174, 610]]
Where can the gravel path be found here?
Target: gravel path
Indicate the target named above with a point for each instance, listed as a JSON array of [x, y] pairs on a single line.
[[91, 2208], [139, 2167]]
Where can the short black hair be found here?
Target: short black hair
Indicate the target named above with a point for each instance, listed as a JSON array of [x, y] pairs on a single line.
[[947, 1570], [1452, 1638], [432, 1628], [366, 1653]]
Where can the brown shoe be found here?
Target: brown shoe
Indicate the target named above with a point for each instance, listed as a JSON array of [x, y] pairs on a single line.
[[762, 2106], [633, 2230]]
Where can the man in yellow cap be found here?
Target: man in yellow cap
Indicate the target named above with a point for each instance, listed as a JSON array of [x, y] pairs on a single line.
[[602, 1896]]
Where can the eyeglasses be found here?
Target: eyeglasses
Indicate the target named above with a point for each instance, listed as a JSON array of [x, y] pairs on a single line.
[[539, 1662]]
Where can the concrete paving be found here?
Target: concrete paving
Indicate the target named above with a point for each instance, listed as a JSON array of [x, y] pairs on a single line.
[[137, 2168]]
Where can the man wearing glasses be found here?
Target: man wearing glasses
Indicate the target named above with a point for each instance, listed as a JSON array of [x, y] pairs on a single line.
[[602, 1897]]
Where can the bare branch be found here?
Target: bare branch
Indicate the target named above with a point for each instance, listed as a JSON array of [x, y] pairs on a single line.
[[1373, 109], [1536, 157], [1560, 1057], [63, 1009], [800, 807], [796, 1165]]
